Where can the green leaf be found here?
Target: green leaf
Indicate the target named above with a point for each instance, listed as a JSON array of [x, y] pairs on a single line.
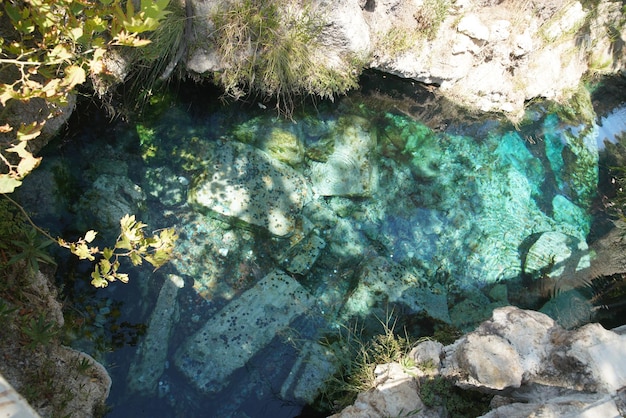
[[107, 253], [13, 12], [105, 266], [97, 279], [135, 259]]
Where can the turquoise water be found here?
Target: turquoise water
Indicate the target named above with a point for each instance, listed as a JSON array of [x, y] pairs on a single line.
[[291, 229]]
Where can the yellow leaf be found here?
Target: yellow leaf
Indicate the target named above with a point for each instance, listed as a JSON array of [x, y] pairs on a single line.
[[59, 54], [129, 39], [82, 251], [76, 33], [74, 75], [122, 277], [7, 93], [27, 164], [8, 183], [28, 132], [90, 235], [20, 149], [5, 128]]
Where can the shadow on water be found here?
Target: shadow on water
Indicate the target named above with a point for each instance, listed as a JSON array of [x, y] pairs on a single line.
[[425, 211]]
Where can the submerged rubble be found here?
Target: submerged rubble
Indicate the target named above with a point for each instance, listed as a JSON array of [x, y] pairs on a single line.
[[289, 233]]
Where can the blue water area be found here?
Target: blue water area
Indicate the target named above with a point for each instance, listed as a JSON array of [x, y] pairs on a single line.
[[293, 229]]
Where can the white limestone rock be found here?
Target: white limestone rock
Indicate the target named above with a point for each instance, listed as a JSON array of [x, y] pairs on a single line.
[[395, 394], [592, 359], [471, 26], [581, 405], [490, 362], [535, 368], [427, 353]]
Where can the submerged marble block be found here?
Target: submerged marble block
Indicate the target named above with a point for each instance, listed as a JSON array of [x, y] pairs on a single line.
[[242, 328], [247, 184], [151, 355], [349, 170], [554, 254]]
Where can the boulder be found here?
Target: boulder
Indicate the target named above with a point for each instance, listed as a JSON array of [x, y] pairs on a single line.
[[165, 186], [518, 347], [570, 405], [491, 56], [532, 366], [489, 361]]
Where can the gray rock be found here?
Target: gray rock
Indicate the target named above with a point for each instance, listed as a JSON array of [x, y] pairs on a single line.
[[108, 200], [381, 281], [314, 366], [490, 362], [569, 309], [553, 253], [301, 256], [168, 188], [427, 353]]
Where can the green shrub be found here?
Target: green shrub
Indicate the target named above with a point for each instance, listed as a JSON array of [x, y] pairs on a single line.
[[430, 16], [273, 49]]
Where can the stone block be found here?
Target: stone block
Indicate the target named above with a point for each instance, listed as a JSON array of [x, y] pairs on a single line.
[[243, 327]]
